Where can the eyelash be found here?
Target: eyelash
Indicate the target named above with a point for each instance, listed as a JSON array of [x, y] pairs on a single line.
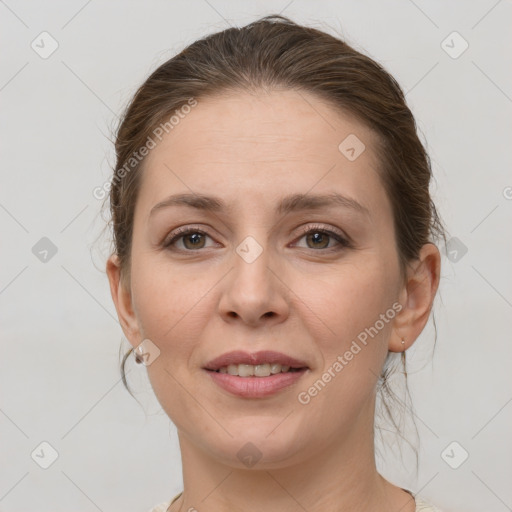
[[182, 232]]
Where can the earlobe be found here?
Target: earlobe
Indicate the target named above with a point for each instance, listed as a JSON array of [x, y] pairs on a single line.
[[417, 298], [122, 301]]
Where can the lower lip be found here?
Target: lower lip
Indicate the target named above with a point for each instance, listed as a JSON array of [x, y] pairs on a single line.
[[255, 387]]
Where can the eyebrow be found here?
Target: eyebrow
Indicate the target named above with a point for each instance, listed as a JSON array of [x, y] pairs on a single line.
[[292, 203]]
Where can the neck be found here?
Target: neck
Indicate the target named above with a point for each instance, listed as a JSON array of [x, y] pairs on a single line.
[[340, 476]]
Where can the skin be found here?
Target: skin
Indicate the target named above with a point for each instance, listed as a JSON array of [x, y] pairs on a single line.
[[300, 297]]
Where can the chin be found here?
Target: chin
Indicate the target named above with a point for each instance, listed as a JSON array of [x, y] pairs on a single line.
[[258, 443]]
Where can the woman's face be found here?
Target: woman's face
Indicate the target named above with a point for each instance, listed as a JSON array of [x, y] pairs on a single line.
[[256, 281]]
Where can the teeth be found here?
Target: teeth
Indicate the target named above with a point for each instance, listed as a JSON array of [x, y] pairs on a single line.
[[259, 370], [275, 368], [245, 370]]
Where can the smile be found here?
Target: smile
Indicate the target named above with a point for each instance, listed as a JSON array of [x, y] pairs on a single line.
[[258, 370], [251, 385]]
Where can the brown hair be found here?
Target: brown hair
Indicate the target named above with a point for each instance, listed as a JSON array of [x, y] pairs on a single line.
[[274, 52]]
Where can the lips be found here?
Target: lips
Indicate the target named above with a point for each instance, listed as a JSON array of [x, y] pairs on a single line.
[[261, 357]]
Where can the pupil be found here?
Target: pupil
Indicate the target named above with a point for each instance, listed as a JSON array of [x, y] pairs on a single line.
[[317, 238], [194, 238]]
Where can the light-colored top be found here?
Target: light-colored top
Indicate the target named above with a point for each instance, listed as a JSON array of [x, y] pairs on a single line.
[[421, 504]]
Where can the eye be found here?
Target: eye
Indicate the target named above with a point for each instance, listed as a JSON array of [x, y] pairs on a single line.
[[319, 238], [192, 239]]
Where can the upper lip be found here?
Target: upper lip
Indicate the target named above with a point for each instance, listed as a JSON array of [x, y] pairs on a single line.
[[261, 357]]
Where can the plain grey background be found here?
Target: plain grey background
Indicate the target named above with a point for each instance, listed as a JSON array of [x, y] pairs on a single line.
[[59, 371]]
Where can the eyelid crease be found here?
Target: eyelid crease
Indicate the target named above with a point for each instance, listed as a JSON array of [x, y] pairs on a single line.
[[323, 228]]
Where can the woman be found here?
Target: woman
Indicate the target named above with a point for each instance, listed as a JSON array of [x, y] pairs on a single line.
[[274, 254]]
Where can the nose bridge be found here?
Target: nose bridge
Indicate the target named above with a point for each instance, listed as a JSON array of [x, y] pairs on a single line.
[[251, 261], [253, 291]]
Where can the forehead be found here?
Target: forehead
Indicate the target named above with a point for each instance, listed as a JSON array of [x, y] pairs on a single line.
[[265, 124], [242, 144]]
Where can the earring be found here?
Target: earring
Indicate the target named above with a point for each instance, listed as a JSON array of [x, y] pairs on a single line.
[[403, 342], [138, 358]]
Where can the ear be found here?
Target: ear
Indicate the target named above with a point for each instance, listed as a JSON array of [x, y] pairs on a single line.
[[416, 298], [122, 300]]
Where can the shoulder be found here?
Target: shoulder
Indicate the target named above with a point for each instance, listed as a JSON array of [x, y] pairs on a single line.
[[161, 507], [423, 505]]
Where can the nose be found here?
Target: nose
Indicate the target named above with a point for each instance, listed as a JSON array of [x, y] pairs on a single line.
[[253, 293]]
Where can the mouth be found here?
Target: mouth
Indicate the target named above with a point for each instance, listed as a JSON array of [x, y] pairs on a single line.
[[259, 370], [255, 375], [260, 364]]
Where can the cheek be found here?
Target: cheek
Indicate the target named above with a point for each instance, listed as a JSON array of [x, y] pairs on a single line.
[[349, 298], [173, 309], [168, 302], [348, 314], [342, 315]]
